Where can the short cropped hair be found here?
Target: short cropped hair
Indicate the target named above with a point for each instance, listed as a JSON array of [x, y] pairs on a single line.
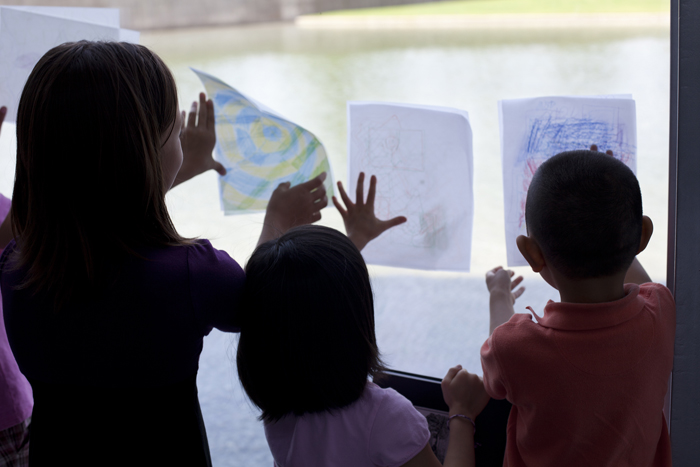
[[307, 341], [89, 184], [584, 209]]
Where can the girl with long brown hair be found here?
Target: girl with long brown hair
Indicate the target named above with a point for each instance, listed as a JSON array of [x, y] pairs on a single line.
[[105, 304]]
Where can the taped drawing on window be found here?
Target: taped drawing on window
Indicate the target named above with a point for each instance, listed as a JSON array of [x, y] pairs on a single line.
[[259, 149], [28, 32], [533, 130], [408, 148]]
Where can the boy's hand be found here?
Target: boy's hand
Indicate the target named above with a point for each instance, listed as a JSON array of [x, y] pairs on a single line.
[[291, 207], [502, 295], [498, 280], [594, 147], [198, 138], [464, 392], [361, 224]]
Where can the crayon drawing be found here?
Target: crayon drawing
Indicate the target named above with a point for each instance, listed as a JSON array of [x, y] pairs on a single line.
[[533, 130], [259, 149]]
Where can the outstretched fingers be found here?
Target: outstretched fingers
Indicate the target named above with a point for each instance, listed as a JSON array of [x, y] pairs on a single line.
[[513, 286], [516, 281], [211, 121], [386, 225], [518, 293], [340, 208], [372, 191], [192, 116], [344, 196], [360, 190], [203, 110]]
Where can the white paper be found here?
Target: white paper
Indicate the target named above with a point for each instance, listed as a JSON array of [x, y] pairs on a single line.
[[422, 157], [27, 33], [533, 130], [104, 16]]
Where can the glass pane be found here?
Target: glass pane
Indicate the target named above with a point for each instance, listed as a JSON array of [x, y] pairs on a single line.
[[426, 321]]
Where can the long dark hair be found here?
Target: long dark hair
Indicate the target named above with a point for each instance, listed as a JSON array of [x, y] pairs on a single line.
[[89, 183], [307, 341]]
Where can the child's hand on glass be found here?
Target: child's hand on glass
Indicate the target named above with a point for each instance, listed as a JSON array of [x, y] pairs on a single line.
[[293, 206], [464, 392], [361, 224], [198, 138], [498, 281], [594, 147]]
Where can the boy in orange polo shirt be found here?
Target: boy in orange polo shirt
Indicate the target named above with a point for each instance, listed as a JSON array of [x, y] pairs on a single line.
[[587, 379]]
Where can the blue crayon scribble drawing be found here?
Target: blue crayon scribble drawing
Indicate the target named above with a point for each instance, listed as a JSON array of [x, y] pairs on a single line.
[[553, 131], [533, 130]]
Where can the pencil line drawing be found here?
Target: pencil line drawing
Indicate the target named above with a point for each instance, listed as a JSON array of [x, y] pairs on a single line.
[[396, 155], [422, 158]]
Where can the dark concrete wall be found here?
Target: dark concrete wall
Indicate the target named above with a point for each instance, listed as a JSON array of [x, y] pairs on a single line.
[[161, 14]]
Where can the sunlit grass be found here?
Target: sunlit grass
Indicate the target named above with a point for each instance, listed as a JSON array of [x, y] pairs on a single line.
[[479, 7]]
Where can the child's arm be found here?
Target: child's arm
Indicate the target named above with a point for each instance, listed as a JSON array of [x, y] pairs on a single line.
[[636, 274], [290, 207], [198, 138], [361, 225], [465, 395], [502, 297]]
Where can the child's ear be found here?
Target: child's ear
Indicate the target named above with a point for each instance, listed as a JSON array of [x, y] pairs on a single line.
[[647, 230], [531, 251]]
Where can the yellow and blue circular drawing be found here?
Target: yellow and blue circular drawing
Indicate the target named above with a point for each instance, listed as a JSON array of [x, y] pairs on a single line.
[[259, 149]]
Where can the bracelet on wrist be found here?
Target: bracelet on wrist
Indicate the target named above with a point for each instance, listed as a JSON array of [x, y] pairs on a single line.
[[449, 419]]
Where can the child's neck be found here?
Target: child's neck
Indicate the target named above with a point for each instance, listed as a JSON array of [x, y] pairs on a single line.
[[595, 290]]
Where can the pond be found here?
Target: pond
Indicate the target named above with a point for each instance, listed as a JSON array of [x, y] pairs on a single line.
[[426, 321]]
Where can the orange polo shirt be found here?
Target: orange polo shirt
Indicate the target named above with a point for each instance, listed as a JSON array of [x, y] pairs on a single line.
[[587, 381]]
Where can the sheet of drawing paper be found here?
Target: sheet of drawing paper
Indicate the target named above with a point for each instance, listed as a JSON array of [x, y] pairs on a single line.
[[533, 130], [103, 16], [259, 149], [27, 33], [422, 157]]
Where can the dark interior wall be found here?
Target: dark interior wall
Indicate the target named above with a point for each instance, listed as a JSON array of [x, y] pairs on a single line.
[[162, 14], [684, 229]]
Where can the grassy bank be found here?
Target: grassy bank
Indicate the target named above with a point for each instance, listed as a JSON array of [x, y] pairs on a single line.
[[495, 7]]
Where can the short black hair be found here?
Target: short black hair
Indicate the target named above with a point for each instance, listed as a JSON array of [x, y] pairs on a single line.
[[307, 341], [584, 209]]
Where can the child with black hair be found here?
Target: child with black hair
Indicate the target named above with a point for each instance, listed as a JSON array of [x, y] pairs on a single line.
[[307, 347], [587, 380]]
